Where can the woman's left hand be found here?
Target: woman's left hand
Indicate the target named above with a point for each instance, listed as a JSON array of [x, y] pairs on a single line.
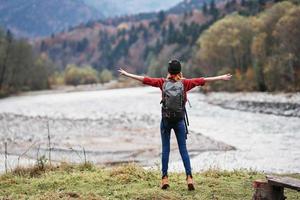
[[122, 72]]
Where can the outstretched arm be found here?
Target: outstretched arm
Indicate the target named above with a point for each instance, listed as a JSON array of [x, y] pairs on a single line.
[[225, 77], [133, 76]]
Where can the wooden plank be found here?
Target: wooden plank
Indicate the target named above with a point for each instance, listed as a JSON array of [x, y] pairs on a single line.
[[287, 182]]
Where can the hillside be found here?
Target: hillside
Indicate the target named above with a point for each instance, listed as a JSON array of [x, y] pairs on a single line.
[[33, 18], [187, 6], [41, 18], [245, 38], [112, 8], [135, 40], [125, 182], [130, 40]]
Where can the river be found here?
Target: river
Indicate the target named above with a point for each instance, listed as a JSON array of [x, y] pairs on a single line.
[[122, 125]]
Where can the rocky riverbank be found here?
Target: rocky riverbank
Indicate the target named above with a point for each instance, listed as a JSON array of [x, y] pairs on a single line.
[[109, 140], [283, 104]]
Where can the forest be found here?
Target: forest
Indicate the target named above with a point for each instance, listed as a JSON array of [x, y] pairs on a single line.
[[20, 68], [262, 51]]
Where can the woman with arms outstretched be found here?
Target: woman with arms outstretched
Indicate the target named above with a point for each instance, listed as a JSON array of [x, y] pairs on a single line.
[[174, 88]]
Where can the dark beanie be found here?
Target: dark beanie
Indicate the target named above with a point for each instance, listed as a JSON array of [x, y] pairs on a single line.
[[174, 67]]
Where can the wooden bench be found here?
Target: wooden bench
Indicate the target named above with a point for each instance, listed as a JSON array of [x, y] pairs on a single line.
[[273, 187]]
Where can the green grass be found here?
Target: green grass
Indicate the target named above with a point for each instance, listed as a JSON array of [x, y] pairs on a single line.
[[124, 182]]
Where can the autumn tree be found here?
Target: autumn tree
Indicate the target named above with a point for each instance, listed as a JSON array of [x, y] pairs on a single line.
[[227, 44], [259, 58], [287, 32]]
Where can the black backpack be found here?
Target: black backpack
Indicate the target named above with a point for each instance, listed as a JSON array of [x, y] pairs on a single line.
[[173, 104], [173, 100]]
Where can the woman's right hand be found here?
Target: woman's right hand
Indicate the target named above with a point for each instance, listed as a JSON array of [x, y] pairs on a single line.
[[226, 77]]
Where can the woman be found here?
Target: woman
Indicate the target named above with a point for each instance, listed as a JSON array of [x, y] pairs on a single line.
[[173, 113]]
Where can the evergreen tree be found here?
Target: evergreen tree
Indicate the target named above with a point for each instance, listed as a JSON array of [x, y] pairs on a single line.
[[82, 45], [213, 9], [161, 17], [171, 33], [145, 34], [204, 8], [158, 46], [7, 49], [243, 3]]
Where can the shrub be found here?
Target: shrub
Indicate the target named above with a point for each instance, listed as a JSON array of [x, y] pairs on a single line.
[[85, 75], [105, 76]]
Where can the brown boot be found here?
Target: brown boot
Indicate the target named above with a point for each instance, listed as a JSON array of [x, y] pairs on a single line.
[[190, 183], [164, 183]]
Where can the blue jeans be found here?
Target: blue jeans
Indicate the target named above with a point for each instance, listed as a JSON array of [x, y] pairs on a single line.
[[180, 132]]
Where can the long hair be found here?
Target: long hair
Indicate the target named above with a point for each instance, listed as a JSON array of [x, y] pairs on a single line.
[[175, 77]]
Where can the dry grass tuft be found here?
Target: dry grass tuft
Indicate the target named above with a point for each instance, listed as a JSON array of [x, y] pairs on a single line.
[[33, 171]]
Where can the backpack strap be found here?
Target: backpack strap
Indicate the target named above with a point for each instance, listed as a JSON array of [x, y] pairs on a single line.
[[186, 119], [186, 123], [163, 93]]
